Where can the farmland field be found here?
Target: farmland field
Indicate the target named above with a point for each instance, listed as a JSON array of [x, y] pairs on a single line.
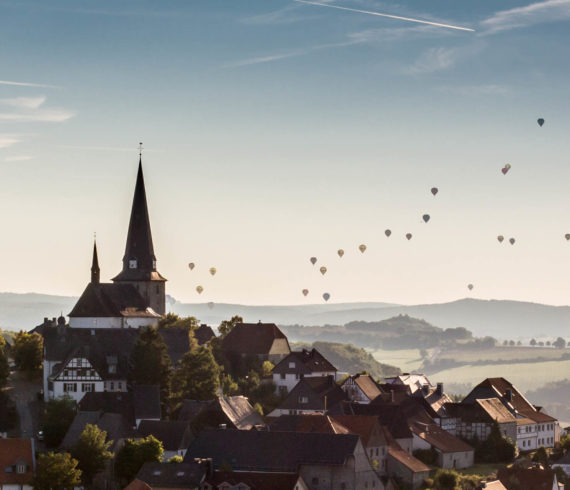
[[407, 360], [505, 354]]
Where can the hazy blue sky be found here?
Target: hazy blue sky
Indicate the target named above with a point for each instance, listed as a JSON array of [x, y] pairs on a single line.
[[277, 130]]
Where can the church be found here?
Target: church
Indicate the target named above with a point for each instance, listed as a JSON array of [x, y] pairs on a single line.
[[91, 354], [136, 297]]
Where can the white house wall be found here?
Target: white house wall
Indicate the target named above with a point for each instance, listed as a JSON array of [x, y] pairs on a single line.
[[111, 322]]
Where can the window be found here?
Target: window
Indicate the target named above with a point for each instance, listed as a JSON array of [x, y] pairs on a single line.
[[87, 387], [112, 386], [132, 264], [69, 387], [303, 399], [66, 372], [112, 368], [119, 386], [291, 365], [283, 375], [21, 468]]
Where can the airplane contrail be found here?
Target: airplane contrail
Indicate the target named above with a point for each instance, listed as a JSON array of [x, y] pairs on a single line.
[[369, 12]]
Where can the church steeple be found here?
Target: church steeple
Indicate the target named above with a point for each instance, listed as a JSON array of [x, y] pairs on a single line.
[[95, 271]]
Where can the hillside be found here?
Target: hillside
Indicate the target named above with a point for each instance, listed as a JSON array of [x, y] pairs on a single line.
[[498, 318]]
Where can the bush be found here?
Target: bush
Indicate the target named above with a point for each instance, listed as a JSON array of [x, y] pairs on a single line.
[[445, 480]]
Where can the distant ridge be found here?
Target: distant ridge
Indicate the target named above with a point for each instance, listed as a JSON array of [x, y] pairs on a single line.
[[498, 318]]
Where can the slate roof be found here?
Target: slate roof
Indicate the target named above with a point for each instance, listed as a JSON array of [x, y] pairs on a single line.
[[533, 478], [234, 411], [255, 481], [320, 387], [440, 439], [204, 334], [253, 339], [177, 343], [12, 451], [109, 402], [271, 451], [173, 434], [113, 424], [146, 401], [139, 245], [367, 384], [322, 424], [112, 300], [363, 425], [191, 408], [306, 362], [171, 475]]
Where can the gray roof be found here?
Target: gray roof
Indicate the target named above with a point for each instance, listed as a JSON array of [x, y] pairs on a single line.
[[191, 408], [112, 423], [271, 451], [109, 402], [172, 475], [146, 400], [173, 434], [234, 411], [304, 362]]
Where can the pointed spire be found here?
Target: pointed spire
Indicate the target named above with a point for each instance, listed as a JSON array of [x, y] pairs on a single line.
[[95, 271], [139, 261]]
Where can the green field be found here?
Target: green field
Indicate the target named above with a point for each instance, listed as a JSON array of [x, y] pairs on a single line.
[[505, 353], [407, 360]]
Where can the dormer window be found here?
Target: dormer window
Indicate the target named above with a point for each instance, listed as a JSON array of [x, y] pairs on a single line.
[[291, 365], [132, 264], [21, 468]]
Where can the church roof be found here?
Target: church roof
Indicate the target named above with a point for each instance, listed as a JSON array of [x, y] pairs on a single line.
[[111, 300], [139, 240]]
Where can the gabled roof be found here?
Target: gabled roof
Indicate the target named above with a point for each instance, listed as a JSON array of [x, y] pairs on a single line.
[[13, 451], [109, 402], [321, 388], [304, 362], [173, 434], [254, 339], [496, 410], [112, 423], [363, 425], [492, 485], [234, 411], [367, 384], [254, 480], [248, 450], [323, 424], [137, 484], [406, 459], [533, 478], [413, 381], [204, 334], [440, 439], [112, 300], [191, 408], [172, 475], [146, 402]]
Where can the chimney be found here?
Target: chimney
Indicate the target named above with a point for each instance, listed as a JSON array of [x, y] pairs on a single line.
[[425, 389], [439, 389], [509, 395]]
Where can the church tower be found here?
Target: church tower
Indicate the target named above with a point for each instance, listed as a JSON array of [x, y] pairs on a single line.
[[139, 261]]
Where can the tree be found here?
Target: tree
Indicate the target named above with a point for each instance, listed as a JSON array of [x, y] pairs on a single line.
[[559, 343], [267, 369], [149, 363], [228, 385], [175, 459], [28, 351], [505, 342], [198, 376], [519, 342], [59, 414], [227, 325], [541, 344], [172, 320], [56, 471], [511, 343], [533, 342], [541, 456], [134, 454], [92, 452], [445, 480], [548, 343], [4, 366], [496, 448]]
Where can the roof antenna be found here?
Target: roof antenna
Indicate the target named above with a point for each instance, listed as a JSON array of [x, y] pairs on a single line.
[[140, 149]]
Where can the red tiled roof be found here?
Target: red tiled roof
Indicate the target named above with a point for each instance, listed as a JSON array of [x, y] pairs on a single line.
[[322, 424], [440, 439], [496, 410], [362, 425], [137, 484], [254, 480], [367, 385], [12, 452], [407, 459]]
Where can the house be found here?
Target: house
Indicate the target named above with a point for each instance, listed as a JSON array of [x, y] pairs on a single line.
[[533, 477], [361, 388], [311, 395], [231, 412], [113, 424], [414, 382], [405, 467], [174, 435], [300, 364], [563, 462], [491, 485], [142, 403], [17, 463], [324, 461], [191, 408], [451, 451], [263, 341], [203, 334], [137, 484], [474, 420], [534, 427], [315, 422], [172, 476], [251, 480]]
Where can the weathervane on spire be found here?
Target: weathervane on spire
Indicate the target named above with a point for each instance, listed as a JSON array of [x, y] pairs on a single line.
[[140, 149]]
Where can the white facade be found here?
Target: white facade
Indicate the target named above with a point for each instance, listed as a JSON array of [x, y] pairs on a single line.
[[527, 435], [286, 382], [112, 322]]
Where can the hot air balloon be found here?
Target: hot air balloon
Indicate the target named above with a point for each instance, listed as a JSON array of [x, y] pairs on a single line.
[[191, 265], [470, 287], [567, 236], [426, 217], [434, 190], [388, 233], [323, 270], [305, 292], [500, 238], [512, 241], [213, 271], [340, 252], [211, 305], [199, 289], [540, 121], [313, 260], [326, 296], [409, 236], [362, 248], [505, 169]]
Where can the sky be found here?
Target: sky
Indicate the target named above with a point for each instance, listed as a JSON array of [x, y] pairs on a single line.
[[278, 130]]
